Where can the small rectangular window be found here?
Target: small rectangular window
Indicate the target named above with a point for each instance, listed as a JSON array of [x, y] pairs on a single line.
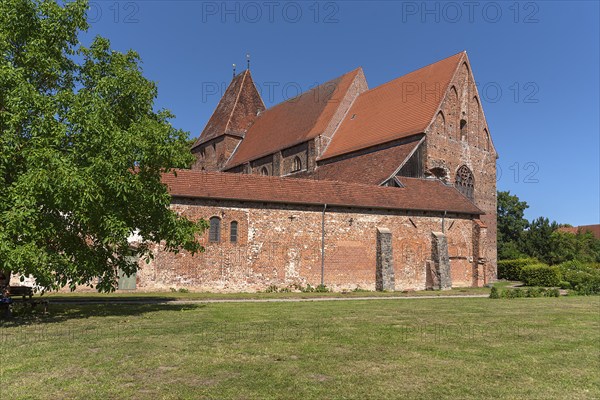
[[233, 232], [214, 234]]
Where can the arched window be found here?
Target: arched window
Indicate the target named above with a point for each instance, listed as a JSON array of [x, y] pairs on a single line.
[[233, 232], [452, 114], [297, 166], [465, 183], [214, 233], [463, 129], [264, 171], [440, 124]]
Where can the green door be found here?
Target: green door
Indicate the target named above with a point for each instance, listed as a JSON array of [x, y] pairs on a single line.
[[126, 282]]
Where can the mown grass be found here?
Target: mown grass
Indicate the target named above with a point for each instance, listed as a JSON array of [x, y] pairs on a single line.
[[542, 348]]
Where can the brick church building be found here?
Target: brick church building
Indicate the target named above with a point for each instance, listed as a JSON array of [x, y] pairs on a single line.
[[389, 188]]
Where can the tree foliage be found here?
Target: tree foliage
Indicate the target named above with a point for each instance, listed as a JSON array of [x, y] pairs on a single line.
[[540, 238], [511, 224], [82, 152]]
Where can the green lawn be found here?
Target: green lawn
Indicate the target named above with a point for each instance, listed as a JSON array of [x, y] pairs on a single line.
[[532, 348]]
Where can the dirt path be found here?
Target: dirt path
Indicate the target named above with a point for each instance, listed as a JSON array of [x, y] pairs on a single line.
[[288, 300]]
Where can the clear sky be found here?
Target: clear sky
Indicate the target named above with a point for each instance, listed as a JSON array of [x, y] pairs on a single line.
[[536, 63]]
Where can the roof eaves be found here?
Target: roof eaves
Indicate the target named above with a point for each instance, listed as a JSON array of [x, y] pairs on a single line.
[[320, 203]]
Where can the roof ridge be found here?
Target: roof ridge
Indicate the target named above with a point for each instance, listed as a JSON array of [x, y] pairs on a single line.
[[308, 91], [342, 119], [411, 72], [237, 98], [321, 115]]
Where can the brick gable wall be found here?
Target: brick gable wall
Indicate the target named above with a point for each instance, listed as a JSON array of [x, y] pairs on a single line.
[[447, 149]]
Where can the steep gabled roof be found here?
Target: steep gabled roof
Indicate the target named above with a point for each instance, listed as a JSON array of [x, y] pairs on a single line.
[[294, 121], [394, 110], [370, 168], [236, 110], [417, 194]]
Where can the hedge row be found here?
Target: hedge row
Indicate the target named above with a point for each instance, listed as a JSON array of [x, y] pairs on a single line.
[[511, 269], [540, 275], [581, 278], [529, 292]]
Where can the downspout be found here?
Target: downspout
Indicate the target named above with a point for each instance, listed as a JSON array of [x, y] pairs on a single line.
[[323, 246]]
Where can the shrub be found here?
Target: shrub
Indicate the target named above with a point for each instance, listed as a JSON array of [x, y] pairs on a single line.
[[494, 293], [554, 292], [534, 292], [272, 289], [582, 278], [322, 289], [541, 275], [183, 290], [583, 282], [511, 269], [308, 289]]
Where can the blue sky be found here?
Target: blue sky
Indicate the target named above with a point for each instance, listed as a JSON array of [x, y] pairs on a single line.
[[536, 63]]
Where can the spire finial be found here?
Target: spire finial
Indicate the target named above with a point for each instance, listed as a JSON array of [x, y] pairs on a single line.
[[248, 61], [234, 70]]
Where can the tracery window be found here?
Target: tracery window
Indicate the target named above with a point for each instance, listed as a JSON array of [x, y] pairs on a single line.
[[264, 171], [465, 182]]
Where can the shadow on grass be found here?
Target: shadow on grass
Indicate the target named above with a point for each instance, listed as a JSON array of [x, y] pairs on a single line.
[[23, 315], [110, 299]]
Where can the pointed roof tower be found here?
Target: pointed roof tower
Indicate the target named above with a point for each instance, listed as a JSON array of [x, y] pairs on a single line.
[[296, 120], [236, 111]]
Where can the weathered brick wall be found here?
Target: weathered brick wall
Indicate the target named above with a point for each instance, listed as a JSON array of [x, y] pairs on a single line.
[[281, 245], [212, 155], [268, 162], [447, 148], [288, 156]]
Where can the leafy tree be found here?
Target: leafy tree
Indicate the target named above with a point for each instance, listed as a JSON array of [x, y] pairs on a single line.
[[81, 152], [565, 246], [511, 224], [536, 240]]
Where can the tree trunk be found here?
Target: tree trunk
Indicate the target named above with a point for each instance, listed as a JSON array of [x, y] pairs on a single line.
[[4, 281]]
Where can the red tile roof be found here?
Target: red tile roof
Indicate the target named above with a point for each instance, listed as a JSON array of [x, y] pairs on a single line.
[[236, 110], [371, 168], [293, 121], [397, 109], [418, 194], [594, 229]]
